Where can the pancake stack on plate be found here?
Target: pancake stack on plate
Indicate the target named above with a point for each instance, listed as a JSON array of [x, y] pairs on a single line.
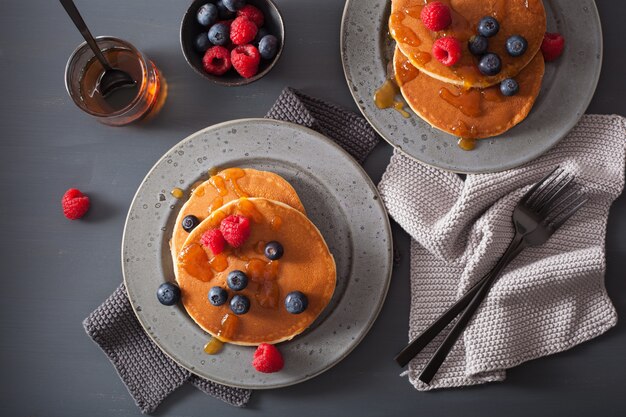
[[276, 214], [459, 99]]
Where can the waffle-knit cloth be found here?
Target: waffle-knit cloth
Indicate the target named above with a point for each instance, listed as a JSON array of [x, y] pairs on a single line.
[[551, 297], [147, 372]]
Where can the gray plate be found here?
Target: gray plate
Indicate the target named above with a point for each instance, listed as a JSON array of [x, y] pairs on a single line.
[[568, 86], [339, 198]]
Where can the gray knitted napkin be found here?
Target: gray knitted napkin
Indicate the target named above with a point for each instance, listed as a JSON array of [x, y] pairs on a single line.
[[147, 372], [551, 297]]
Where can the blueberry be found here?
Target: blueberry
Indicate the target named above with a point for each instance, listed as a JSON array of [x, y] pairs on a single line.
[[268, 46], [260, 34], [207, 14], [234, 5], [237, 280], [296, 302], [516, 45], [219, 34], [168, 294], [490, 64], [274, 250], [190, 222], [509, 87], [478, 44], [202, 42], [218, 296], [224, 13], [240, 304], [488, 26]]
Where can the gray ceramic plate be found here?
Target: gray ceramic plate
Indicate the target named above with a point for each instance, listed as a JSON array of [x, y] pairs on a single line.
[[339, 198], [568, 86]]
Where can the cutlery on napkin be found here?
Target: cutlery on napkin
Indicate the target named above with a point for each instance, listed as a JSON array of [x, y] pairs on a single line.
[[550, 298]]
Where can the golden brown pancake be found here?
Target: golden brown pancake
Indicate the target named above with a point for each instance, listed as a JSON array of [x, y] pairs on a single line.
[[516, 17], [472, 113], [306, 266], [228, 185]]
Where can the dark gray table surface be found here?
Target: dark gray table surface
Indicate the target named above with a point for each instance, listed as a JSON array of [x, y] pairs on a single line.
[[57, 271]]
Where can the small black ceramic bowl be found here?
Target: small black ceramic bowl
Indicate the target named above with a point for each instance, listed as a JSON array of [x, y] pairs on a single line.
[[190, 29]]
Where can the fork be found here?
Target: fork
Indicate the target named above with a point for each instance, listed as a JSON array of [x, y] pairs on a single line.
[[541, 211]]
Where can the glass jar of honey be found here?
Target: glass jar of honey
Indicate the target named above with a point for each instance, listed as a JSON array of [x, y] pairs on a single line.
[[124, 105]]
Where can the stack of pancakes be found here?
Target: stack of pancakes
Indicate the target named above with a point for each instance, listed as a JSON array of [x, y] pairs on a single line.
[[459, 99], [276, 214]]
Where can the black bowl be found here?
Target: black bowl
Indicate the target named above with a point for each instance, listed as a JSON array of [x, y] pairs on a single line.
[[190, 28]]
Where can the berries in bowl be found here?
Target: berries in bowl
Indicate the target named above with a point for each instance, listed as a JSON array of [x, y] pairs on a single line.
[[232, 42]]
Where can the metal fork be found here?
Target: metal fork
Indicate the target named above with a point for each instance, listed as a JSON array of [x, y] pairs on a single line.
[[541, 211]]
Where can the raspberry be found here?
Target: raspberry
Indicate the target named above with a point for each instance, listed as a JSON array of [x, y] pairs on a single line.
[[552, 46], [214, 240], [216, 60], [242, 30], [436, 16], [447, 50], [245, 59], [253, 14], [235, 229], [75, 204], [267, 359]]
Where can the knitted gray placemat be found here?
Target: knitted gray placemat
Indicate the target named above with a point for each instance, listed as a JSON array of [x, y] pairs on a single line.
[[550, 298], [147, 372]]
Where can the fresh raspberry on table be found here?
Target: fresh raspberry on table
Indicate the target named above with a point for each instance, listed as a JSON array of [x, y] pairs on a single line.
[[436, 16], [235, 229], [242, 30], [214, 240], [552, 46], [216, 60], [75, 204], [253, 14], [447, 50], [267, 359], [245, 59]]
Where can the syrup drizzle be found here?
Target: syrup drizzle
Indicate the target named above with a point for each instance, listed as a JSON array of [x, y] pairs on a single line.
[[228, 327], [232, 175], [467, 101], [385, 98]]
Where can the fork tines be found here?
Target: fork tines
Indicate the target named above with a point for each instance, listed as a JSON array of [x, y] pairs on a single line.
[[556, 197]]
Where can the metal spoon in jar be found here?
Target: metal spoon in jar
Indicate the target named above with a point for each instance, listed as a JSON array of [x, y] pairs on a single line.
[[111, 79]]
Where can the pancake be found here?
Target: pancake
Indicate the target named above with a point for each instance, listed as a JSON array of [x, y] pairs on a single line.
[[307, 266], [516, 17], [228, 185], [472, 113]]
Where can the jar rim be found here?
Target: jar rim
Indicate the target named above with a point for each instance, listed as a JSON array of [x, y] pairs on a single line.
[[117, 43]]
